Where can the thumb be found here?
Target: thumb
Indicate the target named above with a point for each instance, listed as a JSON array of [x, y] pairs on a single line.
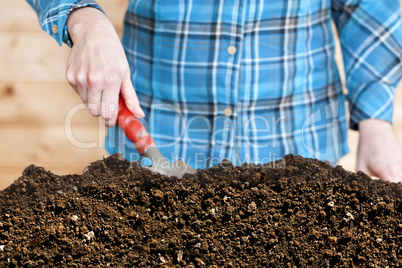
[[130, 98]]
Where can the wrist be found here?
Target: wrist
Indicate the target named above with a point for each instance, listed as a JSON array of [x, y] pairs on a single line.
[[374, 127], [82, 19]]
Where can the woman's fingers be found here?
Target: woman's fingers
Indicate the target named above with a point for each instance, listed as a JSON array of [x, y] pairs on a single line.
[[109, 106], [379, 153], [130, 97]]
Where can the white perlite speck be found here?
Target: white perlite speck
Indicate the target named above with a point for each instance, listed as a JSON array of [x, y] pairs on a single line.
[[212, 211], [89, 235], [161, 258], [348, 217], [179, 256], [252, 207]]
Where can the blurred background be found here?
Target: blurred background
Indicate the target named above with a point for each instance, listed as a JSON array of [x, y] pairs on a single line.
[[36, 100]]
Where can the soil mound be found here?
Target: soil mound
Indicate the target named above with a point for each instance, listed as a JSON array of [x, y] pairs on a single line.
[[295, 212]]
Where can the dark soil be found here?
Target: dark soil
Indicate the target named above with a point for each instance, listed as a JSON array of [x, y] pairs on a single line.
[[304, 213]]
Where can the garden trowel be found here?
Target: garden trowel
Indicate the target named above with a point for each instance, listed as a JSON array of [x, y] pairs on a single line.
[[146, 146]]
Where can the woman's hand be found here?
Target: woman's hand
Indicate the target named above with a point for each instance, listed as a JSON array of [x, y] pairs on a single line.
[[379, 153], [97, 66]]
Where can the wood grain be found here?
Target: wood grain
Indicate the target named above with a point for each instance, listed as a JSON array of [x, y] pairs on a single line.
[[27, 52], [38, 102], [18, 16], [49, 146]]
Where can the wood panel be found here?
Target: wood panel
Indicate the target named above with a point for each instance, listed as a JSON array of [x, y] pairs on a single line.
[[38, 102], [31, 56], [51, 144], [50, 147], [18, 16], [27, 52], [349, 161]]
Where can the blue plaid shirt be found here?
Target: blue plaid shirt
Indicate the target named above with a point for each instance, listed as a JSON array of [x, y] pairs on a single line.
[[252, 80]]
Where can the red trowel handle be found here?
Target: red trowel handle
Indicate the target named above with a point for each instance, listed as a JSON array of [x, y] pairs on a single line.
[[133, 128]]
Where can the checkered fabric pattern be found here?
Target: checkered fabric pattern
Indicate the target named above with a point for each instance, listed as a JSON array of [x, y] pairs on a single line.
[[252, 80]]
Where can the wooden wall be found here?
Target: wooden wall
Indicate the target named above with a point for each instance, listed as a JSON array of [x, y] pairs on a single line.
[[35, 99]]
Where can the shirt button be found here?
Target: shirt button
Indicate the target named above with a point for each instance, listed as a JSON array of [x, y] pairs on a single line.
[[227, 112], [55, 29], [232, 50]]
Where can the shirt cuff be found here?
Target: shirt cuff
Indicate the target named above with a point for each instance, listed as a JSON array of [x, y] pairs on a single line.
[[375, 101], [54, 20]]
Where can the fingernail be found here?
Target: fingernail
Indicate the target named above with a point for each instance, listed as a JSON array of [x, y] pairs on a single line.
[[140, 115]]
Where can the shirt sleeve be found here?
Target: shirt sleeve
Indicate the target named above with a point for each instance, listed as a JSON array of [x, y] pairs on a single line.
[[53, 15], [370, 33]]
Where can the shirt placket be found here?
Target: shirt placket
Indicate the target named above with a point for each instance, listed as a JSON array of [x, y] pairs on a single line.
[[228, 75]]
